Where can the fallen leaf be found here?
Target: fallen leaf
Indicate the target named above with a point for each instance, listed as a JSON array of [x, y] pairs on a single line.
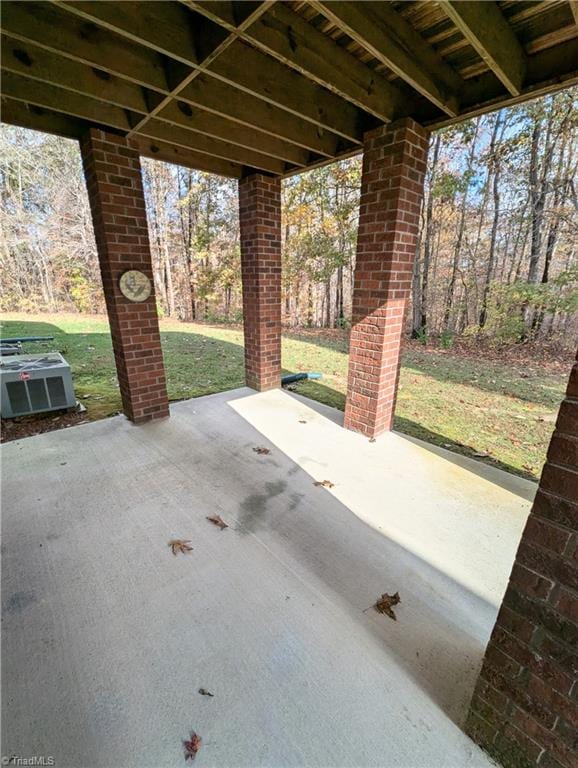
[[218, 521], [385, 604], [261, 450], [180, 545], [302, 421], [204, 692], [324, 483], [192, 746]]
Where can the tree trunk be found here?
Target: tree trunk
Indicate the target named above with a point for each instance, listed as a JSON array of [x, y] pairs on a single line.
[[423, 298], [460, 236], [500, 123]]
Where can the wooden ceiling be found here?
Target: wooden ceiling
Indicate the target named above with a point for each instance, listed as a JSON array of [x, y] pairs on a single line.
[[233, 87]]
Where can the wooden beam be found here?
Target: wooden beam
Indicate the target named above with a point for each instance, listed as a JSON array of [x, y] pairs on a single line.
[[257, 9], [220, 98], [299, 97], [40, 65], [108, 116], [486, 29], [38, 119], [169, 153], [56, 99], [574, 9], [548, 71], [29, 60], [182, 114], [62, 33], [267, 78], [168, 27], [35, 62], [290, 39], [394, 42], [182, 137], [49, 29]]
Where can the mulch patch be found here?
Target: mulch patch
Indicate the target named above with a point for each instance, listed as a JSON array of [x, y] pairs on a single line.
[[27, 426]]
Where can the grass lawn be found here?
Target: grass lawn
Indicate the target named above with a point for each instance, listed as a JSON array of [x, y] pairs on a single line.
[[500, 411]]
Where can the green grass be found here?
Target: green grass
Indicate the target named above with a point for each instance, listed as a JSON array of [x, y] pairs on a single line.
[[473, 406]]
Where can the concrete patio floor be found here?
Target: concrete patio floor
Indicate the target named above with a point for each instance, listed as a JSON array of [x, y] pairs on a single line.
[[107, 636]]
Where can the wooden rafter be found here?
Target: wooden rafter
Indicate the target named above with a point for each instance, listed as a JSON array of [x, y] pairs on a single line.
[[394, 42], [40, 119], [295, 43], [233, 87], [221, 60], [56, 100], [193, 47], [483, 25], [37, 64]]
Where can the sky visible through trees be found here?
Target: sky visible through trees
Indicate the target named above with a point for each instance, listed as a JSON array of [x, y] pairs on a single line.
[[498, 246]]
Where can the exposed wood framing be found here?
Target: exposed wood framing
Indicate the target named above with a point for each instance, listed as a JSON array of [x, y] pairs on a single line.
[[391, 40], [286, 36], [483, 25], [233, 87], [38, 119]]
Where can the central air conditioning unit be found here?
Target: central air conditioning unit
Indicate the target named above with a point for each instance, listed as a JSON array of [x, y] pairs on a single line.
[[34, 384]]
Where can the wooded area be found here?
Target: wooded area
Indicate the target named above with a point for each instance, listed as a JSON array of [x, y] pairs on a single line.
[[498, 249]]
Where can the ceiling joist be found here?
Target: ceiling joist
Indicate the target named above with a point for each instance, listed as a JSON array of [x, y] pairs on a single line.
[[394, 42], [285, 36], [233, 87], [484, 27], [55, 99]]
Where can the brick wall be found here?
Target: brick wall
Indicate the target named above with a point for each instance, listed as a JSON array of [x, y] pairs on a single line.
[[525, 707], [260, 224], [113, 178], [394, 164]]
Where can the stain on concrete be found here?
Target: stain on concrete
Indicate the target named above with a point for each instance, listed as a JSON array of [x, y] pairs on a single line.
[[253, 508], [17, 602], [296, 499]]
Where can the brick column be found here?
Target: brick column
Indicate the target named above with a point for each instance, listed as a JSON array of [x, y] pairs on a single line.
[[260, 223], [113, 179], [525, 707], [394, 163]]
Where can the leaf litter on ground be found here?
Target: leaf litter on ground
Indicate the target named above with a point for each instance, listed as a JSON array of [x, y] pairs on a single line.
[[204, 692], [323, 484], [192, 746], [180, 545], [218, 521], [262, 451], [385, 604]]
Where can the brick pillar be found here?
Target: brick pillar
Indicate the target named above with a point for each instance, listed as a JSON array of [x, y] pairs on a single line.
[[113, 179], [260, 223], [524, 710], [394, 163]]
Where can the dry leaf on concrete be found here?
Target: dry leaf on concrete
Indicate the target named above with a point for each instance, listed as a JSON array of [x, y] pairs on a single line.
[[180, 545], [192, 746], [218, 521], [385, 604], [324, 483], [204, 692], [262, 451]]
